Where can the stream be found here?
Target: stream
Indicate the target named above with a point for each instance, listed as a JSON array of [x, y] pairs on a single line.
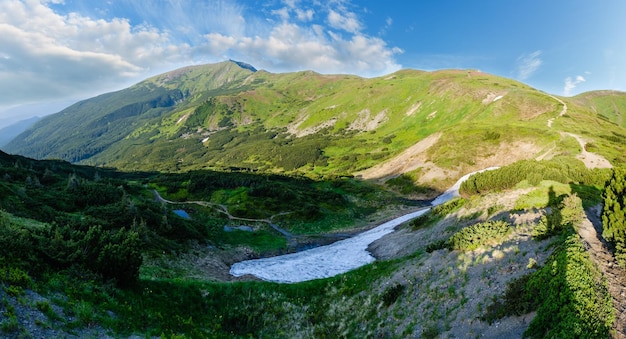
[[336, 258]]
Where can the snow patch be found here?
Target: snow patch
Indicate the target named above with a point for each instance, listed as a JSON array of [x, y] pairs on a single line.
[[339, 257], [181, 119], [492, 97]]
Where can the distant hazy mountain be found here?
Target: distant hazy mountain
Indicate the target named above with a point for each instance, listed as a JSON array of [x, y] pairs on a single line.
[[9, 132], [229, 115]]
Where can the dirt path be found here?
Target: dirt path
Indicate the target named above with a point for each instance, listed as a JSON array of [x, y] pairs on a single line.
[[590, 231], [224, 210], [563, 111], [591, 160]]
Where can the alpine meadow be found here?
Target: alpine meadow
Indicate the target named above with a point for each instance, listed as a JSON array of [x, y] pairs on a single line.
[[130, 214]]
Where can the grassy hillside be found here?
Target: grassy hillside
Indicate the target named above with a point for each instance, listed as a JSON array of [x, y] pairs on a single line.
[[609, 105], [88, 127], [224, 116]]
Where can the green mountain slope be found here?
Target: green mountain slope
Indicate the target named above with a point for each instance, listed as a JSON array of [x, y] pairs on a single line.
[[9, 132], [225, 115], [610, 105], [88, 127]]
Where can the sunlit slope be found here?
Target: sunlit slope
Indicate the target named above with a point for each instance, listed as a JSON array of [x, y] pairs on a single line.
[[88, 127], [610, 105], [226, 116]]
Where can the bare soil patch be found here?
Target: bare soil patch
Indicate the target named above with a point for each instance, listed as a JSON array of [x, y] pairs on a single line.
[[409, 160]]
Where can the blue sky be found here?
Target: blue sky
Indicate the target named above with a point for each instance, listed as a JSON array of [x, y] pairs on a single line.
[[54, 52]]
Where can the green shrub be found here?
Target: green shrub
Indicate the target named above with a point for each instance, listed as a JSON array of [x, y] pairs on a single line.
[[406, 184], [437, 245], [85, 313], [515, 301], [572, 295], [569, 293], [481, 234], [437, 213], [392, 294], [47, 310], [562, 170], [565, 212], [115, 254], [15, 276], [9, 324], [614, 214]]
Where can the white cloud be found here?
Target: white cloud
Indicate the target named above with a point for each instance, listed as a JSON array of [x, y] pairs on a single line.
[[528, 64], [570, 84], [385, 28], [346, 21], [305, 15], [291, 3], [291, 47], [283, 13], [46, 54]]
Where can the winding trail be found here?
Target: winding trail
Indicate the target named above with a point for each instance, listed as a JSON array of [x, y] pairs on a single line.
[[590, 159], [563, 111], [590, 231], [224, 210]]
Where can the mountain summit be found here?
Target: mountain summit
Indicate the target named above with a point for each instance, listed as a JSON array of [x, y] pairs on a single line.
[[244, 65]]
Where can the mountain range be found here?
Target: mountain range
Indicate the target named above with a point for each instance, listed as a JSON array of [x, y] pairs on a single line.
[[229, 115], [8, 133]]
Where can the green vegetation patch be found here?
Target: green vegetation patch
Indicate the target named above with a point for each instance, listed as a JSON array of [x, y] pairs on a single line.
[[406, 183], [173, 307], [540, 197], [437, 213], [481, 234], [614, 214], [572, 295], [562, 170], [261, 241]]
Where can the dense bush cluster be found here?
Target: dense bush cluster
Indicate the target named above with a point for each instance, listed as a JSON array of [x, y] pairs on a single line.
[[561, 170], [481, 234], [113, 254], [614, 214], [486, 233], [89, 219], [261, 196]]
